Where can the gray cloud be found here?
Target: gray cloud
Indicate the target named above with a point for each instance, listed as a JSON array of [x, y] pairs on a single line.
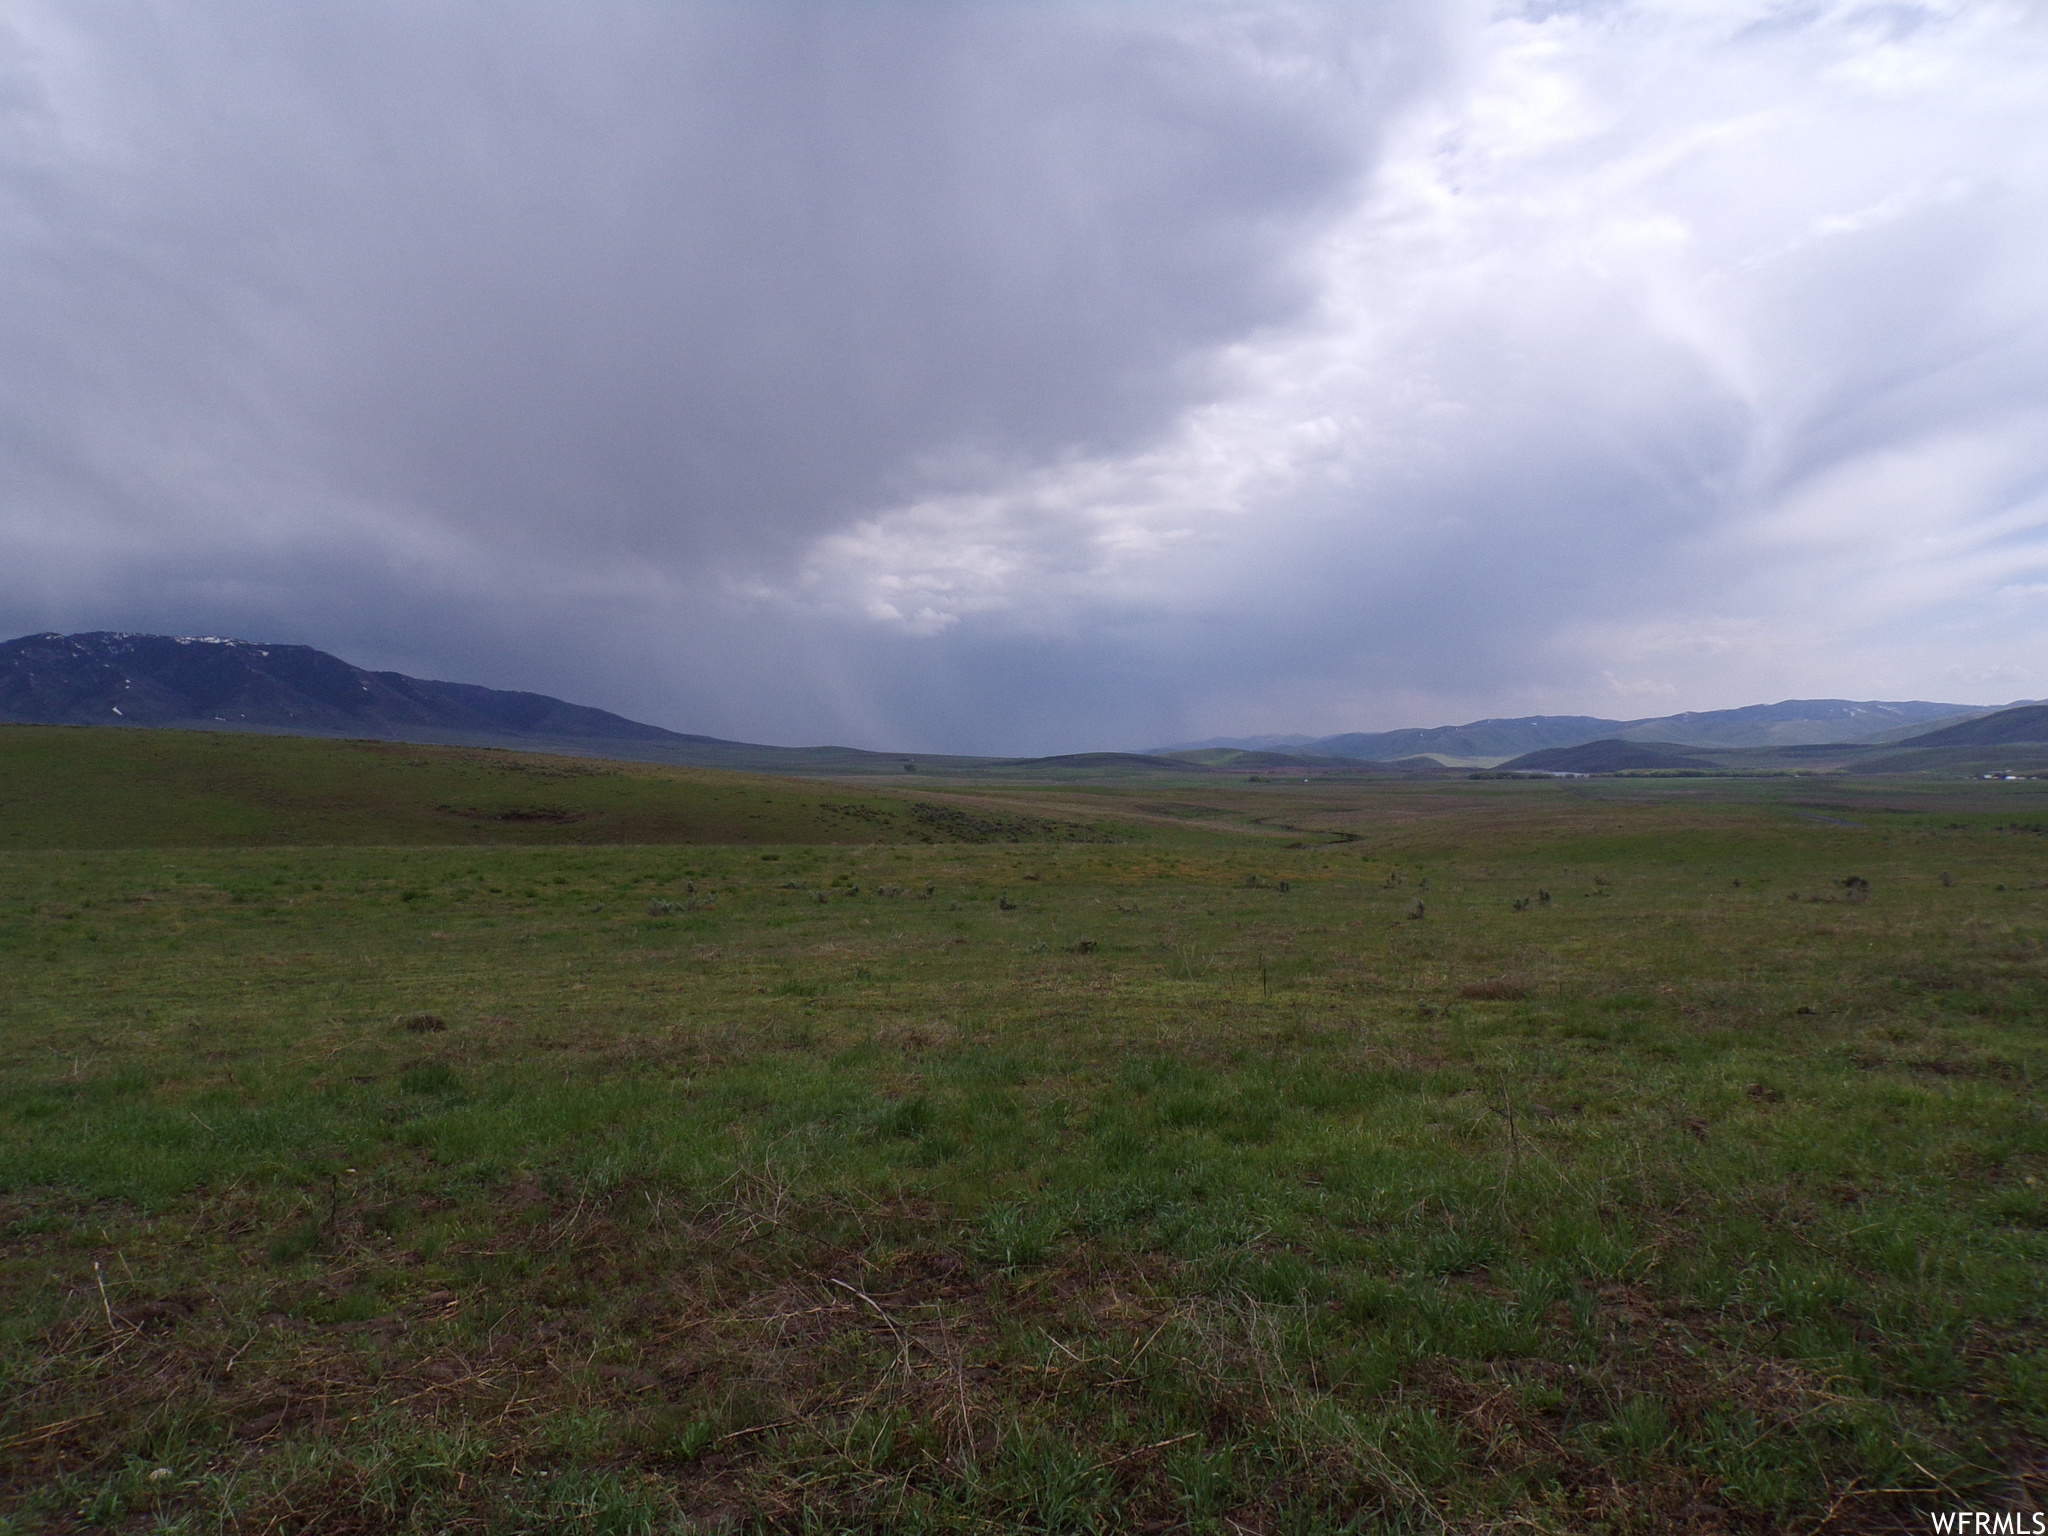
[[990, 376]]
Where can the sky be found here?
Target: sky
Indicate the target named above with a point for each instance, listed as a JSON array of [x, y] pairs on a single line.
[[991, 376]]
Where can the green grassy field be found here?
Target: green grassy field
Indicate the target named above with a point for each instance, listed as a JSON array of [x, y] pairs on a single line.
[[1657, 1156], [76, 787]]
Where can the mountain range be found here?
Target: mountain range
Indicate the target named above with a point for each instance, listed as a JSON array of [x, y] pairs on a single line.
[[208, 682], [122, 679], [1791, 723], [211, 683], [215, 683]]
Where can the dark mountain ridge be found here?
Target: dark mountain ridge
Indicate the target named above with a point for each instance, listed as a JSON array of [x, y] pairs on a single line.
[[110, 678]]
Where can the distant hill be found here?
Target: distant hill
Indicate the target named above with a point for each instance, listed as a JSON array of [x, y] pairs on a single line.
[[2024, 758], [1612, 756], [123, 679], [1480, 739], [2006, 727], [1791, 722], [1795, 722], [1231, 757], [1237, 743], [2018, 745]]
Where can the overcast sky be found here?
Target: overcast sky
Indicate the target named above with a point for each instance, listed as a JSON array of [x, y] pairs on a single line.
[[990, 375]]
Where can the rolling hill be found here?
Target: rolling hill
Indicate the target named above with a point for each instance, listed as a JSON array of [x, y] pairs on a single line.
[[2012, 741], [1479, 740], [2005, 728], [1235, 757], [1791, 722], [1612, 756]]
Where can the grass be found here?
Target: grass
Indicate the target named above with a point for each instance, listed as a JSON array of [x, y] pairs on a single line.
[[75, 787], [1049, 1187]]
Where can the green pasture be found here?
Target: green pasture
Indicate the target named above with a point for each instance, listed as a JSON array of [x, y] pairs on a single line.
[[1427, 1157], [76, 787]]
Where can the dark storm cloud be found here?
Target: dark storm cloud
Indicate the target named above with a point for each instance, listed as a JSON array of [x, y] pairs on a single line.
[[657, 286], [1008, 376]]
